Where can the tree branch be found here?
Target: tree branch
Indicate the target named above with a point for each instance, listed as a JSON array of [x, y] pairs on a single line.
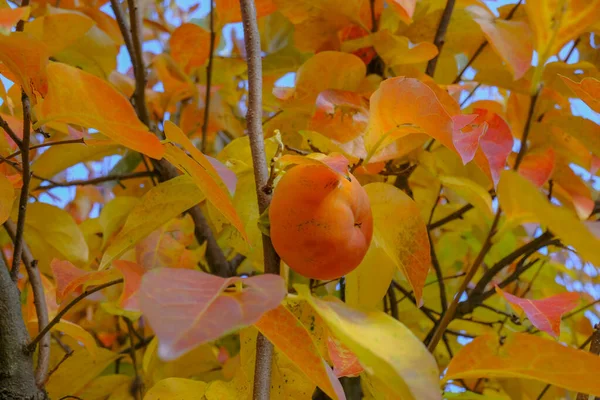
[[448, 316], [450, 217], [526, 130], [264, 349], [24, 197], [61, 313], [438, 41], [37, 146], [209, 68], [124, 28], [95, 181], [434, 260], [39, 302], [135, 21]]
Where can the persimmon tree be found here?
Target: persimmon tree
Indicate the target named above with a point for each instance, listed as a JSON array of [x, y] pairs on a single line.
[[434, 161]]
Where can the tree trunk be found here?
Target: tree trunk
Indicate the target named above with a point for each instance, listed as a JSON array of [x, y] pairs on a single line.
[[17, 380]]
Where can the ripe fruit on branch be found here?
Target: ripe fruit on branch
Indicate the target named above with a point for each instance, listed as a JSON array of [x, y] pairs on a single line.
[[321, 221]]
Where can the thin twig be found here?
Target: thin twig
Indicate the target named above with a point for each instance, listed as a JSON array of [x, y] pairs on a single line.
[[47, 144], [137, 382], [434, 260], [209, 68], [450, 217], [95, 181], [526, 130], [39, 302], [124, 28], [575, 44], [61, 313], [264, 349], [24, 198], [438, 41], [135, 21], [448, 316], [471, 93]]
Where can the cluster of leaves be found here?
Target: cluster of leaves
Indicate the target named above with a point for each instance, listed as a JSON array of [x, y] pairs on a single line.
[[149, 282]]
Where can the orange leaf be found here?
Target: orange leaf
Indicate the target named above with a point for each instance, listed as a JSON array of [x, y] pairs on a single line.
[[70, 279], [26, 58], [59, 31], [132, 277], [345, 362], [527, 356], [508, 39], [544, 314], [337, 162], [340, 115], [588, 90], [404, 8], [187, 308], [537, 165], [10, 16], [190, 45], [288, 334], [229, 10], [572, 188], [77, 97], [400, 106]]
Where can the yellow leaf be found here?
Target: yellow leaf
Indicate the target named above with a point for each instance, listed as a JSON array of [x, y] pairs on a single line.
[[470, 191], [7, 197], [386, 348], [79, 334], [102, 387], [400, 232], [159, 205], [77, 371], [104, 108], [176, 389], [59, 31], [114, 214], [588, 90], [207, 184], [527, 356], [52, 229], [522, 203]]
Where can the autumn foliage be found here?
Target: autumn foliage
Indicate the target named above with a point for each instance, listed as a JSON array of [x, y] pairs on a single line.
[[299, 199]]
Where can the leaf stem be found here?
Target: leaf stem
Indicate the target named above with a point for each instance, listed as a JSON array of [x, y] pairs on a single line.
[[38, 146]]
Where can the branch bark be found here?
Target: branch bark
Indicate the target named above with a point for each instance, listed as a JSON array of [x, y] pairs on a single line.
[[264, 349], [209, 68], [17, 381]]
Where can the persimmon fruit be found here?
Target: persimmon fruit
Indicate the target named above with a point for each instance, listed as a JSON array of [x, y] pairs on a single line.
[[320, 221]]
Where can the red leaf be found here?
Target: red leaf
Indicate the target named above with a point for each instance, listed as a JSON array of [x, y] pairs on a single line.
[[187, 308], [132, 275], [467, 141], [544, 314], [345, 362]]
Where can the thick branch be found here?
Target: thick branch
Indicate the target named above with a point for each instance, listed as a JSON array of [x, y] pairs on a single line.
[[438, 41], [264, 349], [135, 21], [24, 197], [209, 68], [39, 302], [124, 28], [17, 380]]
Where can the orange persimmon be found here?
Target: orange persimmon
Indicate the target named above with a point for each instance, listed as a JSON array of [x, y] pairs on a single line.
[[321, 221]]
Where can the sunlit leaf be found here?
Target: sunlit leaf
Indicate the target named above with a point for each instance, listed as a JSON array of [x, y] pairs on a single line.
[[384, 346], [527, 356], [59, 31], [538, 164], [189, 45], [26, 58], [10, 16], [7, 197], [570, 187], [176, 389], [544, 314], [105, 109], [522, 203], [340, 115], [587, 90], [132, 279], [187, 308], [159, 205], [399, 231], [470, 191], [288, 334]]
